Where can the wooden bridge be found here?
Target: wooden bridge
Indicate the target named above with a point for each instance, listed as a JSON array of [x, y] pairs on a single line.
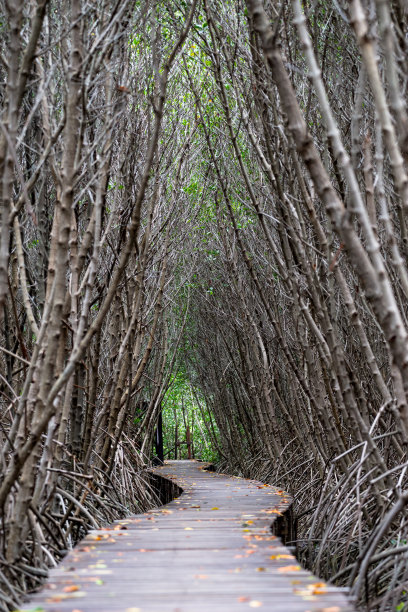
[[209, 550]]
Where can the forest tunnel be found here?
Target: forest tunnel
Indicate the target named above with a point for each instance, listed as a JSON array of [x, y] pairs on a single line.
[[204, 233]]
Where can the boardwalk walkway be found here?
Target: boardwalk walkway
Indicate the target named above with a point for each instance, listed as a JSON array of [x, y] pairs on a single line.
[[210, 550]]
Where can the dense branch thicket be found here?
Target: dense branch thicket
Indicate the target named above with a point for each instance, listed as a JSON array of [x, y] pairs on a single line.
[[300, 317], [89, 243], [222, 188]]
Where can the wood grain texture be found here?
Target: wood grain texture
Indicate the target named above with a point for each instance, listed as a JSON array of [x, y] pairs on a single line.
[[209, 550]]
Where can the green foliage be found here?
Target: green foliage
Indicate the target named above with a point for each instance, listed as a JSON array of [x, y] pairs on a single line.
[[181, 410]]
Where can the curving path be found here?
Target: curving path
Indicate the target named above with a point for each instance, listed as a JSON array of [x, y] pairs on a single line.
[[210, 550]]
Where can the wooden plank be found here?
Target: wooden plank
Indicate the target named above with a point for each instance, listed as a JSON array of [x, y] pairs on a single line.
[[209, 550]]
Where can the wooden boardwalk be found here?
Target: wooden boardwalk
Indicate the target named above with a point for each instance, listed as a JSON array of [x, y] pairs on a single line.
[[210, 550]]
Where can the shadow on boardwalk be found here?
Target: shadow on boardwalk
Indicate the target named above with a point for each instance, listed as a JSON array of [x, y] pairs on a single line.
[[209, 550]]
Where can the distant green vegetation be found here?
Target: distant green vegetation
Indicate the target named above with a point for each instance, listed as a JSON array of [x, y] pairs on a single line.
[[184, 409]]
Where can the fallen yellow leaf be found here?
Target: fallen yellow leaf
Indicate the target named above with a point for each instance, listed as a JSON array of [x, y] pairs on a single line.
[[71, 588], [289, 568], [64, 596], [255, 604]]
